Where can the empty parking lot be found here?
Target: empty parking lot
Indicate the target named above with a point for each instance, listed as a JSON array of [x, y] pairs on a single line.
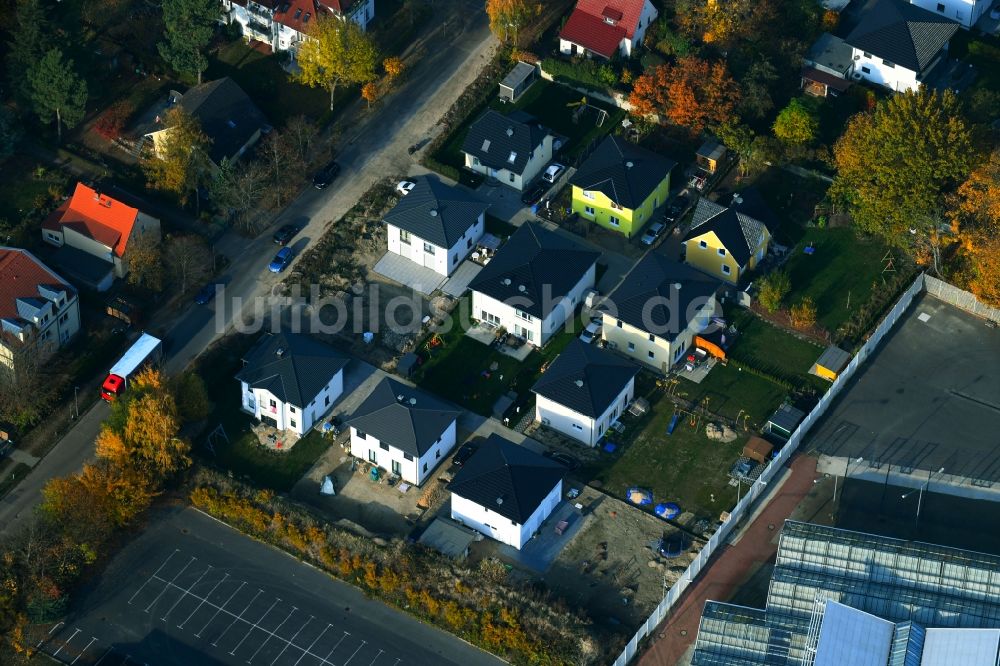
[[191, 591], [928, 399]]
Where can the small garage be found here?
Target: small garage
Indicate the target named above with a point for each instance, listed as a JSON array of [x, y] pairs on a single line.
[[758, 449], [710, 155], [518, 81], [831, 363]]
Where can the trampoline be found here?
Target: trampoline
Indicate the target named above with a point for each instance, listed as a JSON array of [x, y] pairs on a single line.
[[667, 510], [639, 496], [673, 545]]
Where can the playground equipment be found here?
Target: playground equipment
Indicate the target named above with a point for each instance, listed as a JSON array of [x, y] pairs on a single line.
[[580, 106]]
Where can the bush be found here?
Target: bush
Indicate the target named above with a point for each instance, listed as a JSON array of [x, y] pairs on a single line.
[[111, 123], [582, 72], [803, 314], [772, 290]]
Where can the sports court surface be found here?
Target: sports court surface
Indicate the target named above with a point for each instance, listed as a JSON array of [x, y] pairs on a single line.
[[928, 398], [190, 591]]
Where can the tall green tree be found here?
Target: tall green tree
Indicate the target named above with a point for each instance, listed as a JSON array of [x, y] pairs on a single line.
[[796, 124], [56, 91], [896, 163], [187, 27], [339, 52], [32, 38]]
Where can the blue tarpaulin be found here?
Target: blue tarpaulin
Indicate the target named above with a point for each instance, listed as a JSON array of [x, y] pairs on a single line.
[[667, 510], [609, 447], [639, 496]]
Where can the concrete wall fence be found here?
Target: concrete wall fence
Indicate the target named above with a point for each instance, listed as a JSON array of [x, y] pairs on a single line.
[[936, 287]]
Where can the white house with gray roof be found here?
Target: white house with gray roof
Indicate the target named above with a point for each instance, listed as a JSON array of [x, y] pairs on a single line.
[[584, 391], [436, 226], [290, 380], [513, 148], [403, 430]]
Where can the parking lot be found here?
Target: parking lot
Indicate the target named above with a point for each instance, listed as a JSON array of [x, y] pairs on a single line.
[[191, 591]]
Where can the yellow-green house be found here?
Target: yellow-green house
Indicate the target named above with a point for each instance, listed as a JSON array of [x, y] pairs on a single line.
[[725, 242], [620, 185]]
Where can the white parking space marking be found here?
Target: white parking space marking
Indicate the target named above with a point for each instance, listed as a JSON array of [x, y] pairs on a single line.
[[104, 656], [167, 587], [291, 641], [363, 643], [202, 603], [376, 657], [332, 650], [218, 610], [253, 626], [185, 593], [275, 633], [316, 640], [65, 643], [92, 641], [238, 617], [155, 573]]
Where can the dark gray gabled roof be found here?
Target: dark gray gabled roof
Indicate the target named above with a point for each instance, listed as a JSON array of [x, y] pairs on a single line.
[[532, 258], [625, 173], [436, 212], [294, 367], [507, 479], [494, 138], [408, 418], [679, 290], [901, 33], [585, 378], [226, 114], [739, 233]]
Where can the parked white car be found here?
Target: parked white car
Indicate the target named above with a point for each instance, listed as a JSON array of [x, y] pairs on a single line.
[[591, 333], [553, 172], [652, 233], [403, 187]]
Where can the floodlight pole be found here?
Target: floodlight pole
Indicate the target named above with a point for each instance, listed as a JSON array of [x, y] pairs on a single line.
[[847, 472]]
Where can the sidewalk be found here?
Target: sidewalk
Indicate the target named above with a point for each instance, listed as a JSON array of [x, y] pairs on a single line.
[[735, 563]]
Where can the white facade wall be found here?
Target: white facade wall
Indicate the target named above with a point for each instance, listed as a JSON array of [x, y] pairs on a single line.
[[966, 12], [583, 428], [539, 160], [441, 261], [291, 417], [893, 77], [648, 15], [535, 330], [502, 529], [278, 36], [409, 468], [634, 342]]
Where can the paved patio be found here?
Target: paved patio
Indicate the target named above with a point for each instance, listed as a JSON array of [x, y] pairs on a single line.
[[460, 279], [402, 270], [543, 549], [487, 334]]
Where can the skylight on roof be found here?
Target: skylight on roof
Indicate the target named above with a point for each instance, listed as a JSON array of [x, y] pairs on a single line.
[[486, 145], [512, 156]]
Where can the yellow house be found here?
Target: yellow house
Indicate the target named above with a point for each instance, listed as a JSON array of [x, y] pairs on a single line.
[[657, 310], [725, 242], [620, 185]]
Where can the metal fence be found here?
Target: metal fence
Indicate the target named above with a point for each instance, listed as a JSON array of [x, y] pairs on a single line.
[[758, 488], [960, 299]]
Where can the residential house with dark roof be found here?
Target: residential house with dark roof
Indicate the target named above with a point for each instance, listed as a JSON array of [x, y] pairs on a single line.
[[584, 391], [534, 283], [403, 430], [513, 148], [619, 185], [657, 310], [94, 233], [284, 24], [39, 311], [827, 67], [897, 44], [291, 380], [726, 242], [506, 491], [605, 28], [227, 116], [966, 12], [436, 225]]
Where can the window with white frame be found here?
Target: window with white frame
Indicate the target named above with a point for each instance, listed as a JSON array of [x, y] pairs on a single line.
[[589, 210], [722, 251], [726, 270], [702, 244], [404, 236], [587, 194], [614, 221], [428, 248], [523, 315]]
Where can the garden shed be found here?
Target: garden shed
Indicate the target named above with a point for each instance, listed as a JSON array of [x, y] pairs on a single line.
[[710, 155], [784, 421], [518, 81], [831, 363]]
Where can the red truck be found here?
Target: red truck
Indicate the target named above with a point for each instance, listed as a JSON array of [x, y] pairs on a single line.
[[147, 350]]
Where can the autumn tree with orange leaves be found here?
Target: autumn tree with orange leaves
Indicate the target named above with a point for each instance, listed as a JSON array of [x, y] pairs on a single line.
[[507, 17], [693, 93], [975, 213]]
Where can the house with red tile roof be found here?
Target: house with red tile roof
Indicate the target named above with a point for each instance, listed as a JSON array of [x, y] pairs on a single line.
[[93, 233], [39, 311], [602, 28], [284, 24]]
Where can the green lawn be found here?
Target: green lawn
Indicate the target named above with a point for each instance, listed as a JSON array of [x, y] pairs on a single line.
[[732, 392], [684, 467], [838, 276], [243, 454], [768, 348], [19, 189], [459, 369], [269, 86]]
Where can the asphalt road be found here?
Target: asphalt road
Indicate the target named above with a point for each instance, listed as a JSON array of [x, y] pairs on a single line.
[[373, 146], [191, 591]]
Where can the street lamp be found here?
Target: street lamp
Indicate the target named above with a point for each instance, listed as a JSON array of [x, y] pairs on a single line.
[[76, 405], [847, 472], [920, 497]]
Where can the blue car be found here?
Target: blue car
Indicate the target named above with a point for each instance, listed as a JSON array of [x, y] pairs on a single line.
[[206, 294], [281, 260]]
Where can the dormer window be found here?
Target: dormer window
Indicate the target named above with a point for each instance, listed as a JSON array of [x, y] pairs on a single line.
[[609, 20], [305, 19], [298, 13]]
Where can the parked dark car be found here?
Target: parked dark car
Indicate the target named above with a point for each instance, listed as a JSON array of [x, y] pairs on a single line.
[[564, 459], [464, 453], [206, 294], [676, 208], [534, 194], [326, 175], [281, 260], [285, 234]]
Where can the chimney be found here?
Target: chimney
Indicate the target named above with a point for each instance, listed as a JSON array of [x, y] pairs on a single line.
[[280, 352]]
